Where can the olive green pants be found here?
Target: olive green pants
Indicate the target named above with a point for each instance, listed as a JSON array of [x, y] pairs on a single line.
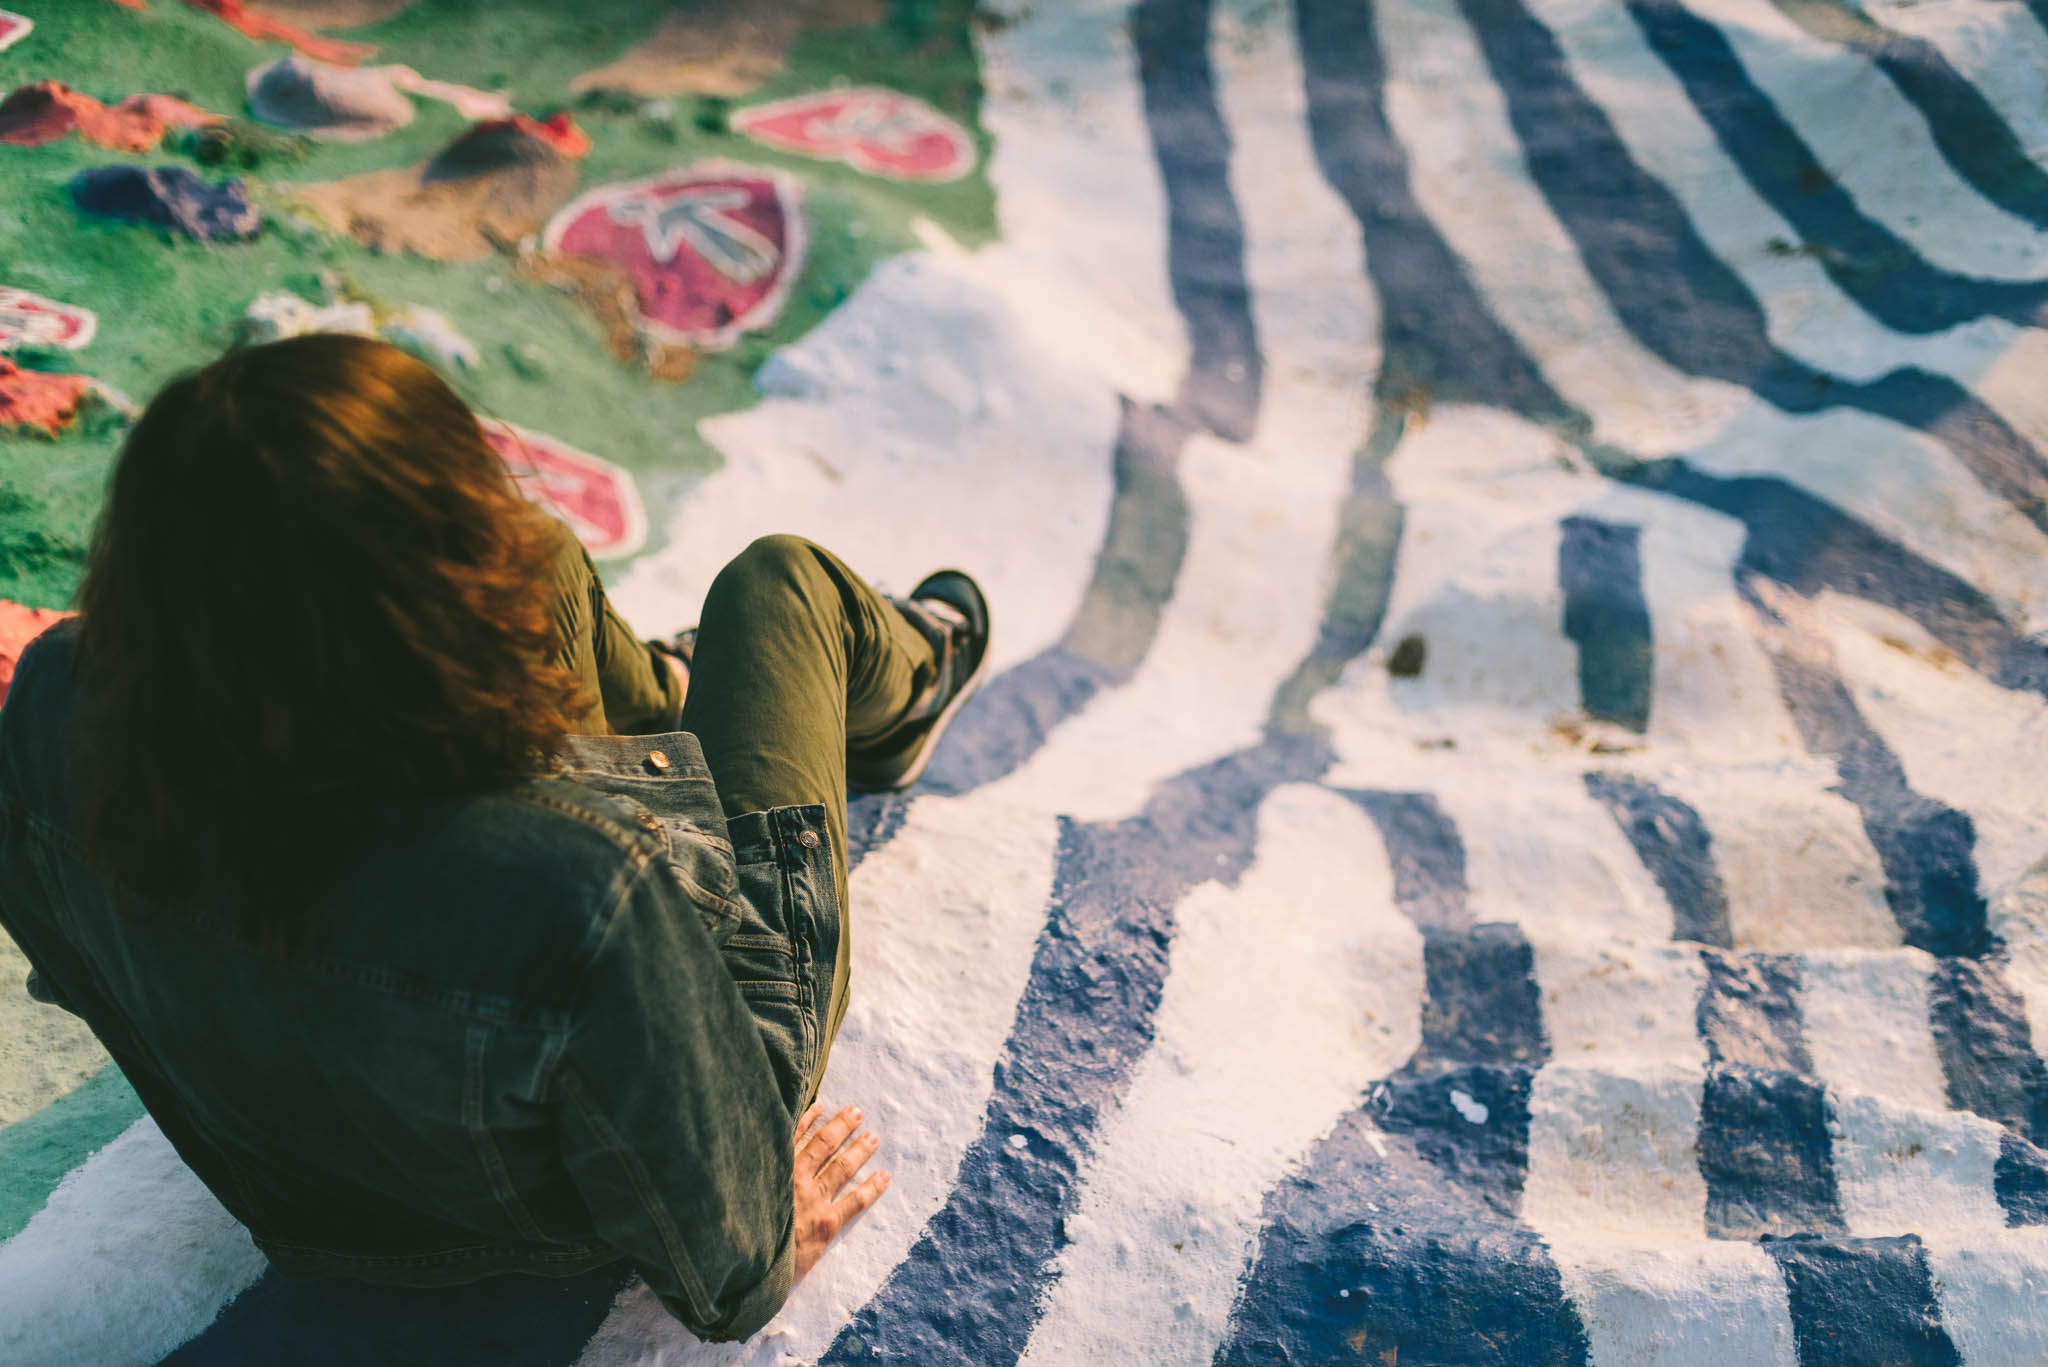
[[797, 657]]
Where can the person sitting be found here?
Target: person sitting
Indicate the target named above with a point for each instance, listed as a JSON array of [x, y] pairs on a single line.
[[446, 929]]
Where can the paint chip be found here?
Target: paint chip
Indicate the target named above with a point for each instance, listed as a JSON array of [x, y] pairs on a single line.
[[1473, 1111]]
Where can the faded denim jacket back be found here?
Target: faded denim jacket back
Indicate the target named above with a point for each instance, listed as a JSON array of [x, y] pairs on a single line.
[[534, 1030]]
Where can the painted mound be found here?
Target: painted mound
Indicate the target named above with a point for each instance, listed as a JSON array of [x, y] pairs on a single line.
[[492, 186], [723, 47]]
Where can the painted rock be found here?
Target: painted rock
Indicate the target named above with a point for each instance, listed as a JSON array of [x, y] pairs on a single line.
[[29, 320], [711, 249], [598, 499], [45, 111], [872, 129], [327, 102], [13, 28], [38, 402], [169, 196]]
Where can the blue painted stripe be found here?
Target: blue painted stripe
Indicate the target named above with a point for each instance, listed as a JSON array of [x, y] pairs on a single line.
[[1863, 1301], [1426, 855], [2020, 1181], [504, 1322], [1600, 571], [1678, 850], [872, 821], [1441, 344], [1205, 232], [1807, 544], [968, 1291], [1986, 1048], [1678, 299], [1869, 263], [1926, 847], [1369, 523], [1973, 138], [1370, 1254], [1765, 1151]]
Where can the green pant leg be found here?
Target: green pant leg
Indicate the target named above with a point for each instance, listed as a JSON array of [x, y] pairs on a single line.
[[795, 654], [635, 691]]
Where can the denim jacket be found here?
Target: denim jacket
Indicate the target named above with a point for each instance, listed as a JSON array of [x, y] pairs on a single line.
[[534, 1030]]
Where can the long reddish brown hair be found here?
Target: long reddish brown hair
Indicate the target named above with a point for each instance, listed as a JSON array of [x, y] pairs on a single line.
[[314, 592]]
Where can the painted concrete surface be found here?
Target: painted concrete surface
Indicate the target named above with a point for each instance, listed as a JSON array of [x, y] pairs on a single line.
[[1507, 826]]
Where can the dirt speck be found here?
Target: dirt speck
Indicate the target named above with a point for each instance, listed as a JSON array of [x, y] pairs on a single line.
[[1410, 655]]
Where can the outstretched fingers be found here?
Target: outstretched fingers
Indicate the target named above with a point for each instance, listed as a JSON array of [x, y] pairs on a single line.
[[812, 1156]]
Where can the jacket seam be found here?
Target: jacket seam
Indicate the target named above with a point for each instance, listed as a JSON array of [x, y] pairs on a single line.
[[484, 1141], [643, 1189]]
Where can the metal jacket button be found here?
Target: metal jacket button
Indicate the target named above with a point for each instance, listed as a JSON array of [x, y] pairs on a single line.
[[807, 839], [657, 759]]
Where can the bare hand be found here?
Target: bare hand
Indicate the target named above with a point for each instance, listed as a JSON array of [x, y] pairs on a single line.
[[824, 1165]]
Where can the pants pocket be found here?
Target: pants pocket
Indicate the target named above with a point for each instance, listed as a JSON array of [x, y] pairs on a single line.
[[781, 955]]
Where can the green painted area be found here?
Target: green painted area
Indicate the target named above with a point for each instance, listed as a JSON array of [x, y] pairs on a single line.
[[167, 306], [36, 1151]]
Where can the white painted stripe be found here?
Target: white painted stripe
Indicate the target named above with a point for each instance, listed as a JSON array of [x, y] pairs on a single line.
[[1476, 581], [1884, 157], [1288, 994], [1866, 1022], [1913, 691], [1620, 1006], [1068, 120], [131, 1257], [1614, 1117], [1543, 854], [1797, 867], [1904, 1163], [1469, 175], [1991, 1289], [1703, 1304], [1906, 1171], [1229, 638], [1998, 47], [1808, 316], [1714, 693]]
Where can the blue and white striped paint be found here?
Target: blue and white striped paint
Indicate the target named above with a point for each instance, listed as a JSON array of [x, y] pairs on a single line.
[[1658, 969]]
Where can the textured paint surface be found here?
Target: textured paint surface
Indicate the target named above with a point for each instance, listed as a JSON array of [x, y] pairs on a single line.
[[1506, 825]]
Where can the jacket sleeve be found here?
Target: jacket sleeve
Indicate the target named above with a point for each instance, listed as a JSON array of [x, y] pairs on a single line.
[[671, 1124]]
